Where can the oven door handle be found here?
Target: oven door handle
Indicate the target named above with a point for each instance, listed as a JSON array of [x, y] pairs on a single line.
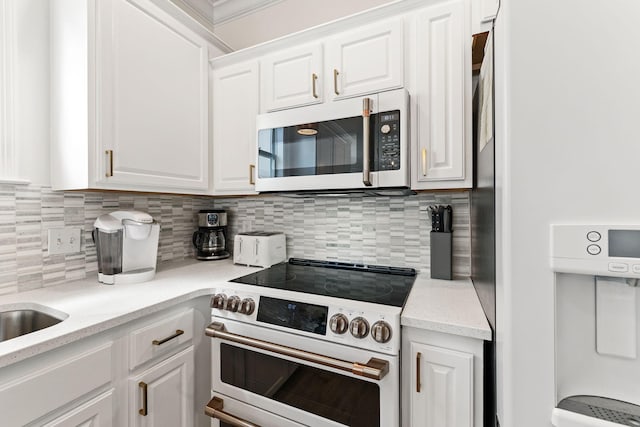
[[214, 409], [375, 368]]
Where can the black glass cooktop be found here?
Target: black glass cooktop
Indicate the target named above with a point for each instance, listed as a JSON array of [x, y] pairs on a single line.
[[368, 283]]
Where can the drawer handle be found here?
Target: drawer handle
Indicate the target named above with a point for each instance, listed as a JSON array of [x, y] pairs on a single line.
[[314, 77], [424, 162], [418, 356], [109, 153], [214, 409], [143, 411], [169, 338], [335, 82], [252, 169]]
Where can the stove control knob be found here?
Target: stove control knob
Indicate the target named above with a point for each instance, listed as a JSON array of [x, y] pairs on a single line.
[[359, 327], [339, 324], [381, 331], [247, 306], [233, 303], [218, 301]]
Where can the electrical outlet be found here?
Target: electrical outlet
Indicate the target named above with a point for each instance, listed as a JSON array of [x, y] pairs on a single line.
[[64, 240]]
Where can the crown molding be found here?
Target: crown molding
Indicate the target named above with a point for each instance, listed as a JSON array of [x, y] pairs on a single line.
[[228, 10]]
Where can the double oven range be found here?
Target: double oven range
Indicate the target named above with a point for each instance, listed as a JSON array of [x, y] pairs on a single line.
[[308, 343]]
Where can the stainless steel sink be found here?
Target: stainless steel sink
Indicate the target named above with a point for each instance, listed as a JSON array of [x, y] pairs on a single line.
[[14, 323]]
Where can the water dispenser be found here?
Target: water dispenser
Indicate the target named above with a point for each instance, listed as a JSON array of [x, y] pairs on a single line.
[[597, 370]]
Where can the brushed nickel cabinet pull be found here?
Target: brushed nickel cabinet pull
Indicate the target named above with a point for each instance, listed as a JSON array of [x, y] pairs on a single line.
[[424, 162], [252, 169], [143, 411], [418, 356], [375, 368], [109, 153], [169, 338], [366, 142], [335, 82], [314, 77], [214, 409]]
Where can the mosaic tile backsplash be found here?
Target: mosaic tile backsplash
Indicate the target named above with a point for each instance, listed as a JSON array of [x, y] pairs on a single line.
[[375, 230]]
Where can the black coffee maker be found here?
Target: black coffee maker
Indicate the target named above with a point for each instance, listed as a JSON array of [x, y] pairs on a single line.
[[211, 238]]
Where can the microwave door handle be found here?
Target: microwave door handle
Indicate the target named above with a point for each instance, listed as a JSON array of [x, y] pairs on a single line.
[[214, 409], [375, 368], [366, 142]]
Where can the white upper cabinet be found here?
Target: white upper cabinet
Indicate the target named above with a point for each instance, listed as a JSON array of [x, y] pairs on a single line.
[[292, 78], [366, 60], [137, 116], [442, 138], [356, 62], [235, 106]]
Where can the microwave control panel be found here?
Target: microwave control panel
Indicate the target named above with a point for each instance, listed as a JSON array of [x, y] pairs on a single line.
[[388, 141], [599, 250]]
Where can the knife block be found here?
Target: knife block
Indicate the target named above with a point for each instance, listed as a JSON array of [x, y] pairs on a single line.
[[441, 255]]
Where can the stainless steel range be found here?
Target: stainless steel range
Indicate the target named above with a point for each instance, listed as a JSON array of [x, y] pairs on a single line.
[[308, 343]]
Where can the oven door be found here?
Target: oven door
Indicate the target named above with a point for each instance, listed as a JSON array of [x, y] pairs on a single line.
[[348, 144], [309, 381]]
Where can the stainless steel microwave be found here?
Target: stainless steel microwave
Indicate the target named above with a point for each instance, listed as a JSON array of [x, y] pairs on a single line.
[[355, 143]]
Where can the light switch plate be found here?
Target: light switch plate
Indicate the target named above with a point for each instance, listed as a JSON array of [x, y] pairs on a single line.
[[64, 240]]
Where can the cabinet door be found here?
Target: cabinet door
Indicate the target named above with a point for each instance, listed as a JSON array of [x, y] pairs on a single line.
[[292, 78], [442, 387], [368, 60], [235, 106], [152, 99], [442, 98], [97, 412], [163, 395]]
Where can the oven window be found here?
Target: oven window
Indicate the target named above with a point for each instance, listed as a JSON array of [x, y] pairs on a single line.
[[333, 147], [340, 398]]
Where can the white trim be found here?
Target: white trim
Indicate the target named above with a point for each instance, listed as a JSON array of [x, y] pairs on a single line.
[[227, 10], [8, 159]]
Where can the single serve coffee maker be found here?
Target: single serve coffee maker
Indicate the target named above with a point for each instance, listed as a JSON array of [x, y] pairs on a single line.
[[127, 247], [210, 240]]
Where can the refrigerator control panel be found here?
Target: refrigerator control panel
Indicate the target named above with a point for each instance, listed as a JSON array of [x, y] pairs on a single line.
[[599, 250]]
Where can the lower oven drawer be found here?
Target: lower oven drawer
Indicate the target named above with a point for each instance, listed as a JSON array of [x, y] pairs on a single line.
[[228, 412]]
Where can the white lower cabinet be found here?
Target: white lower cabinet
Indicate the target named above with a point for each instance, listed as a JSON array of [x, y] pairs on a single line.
[[441, 379], [52, 383], [163, 395], [138, 374], [97, 412], [444, 383]]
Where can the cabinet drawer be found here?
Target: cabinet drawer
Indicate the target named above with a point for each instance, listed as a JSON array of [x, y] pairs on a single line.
[[54, 386], [160, 337]]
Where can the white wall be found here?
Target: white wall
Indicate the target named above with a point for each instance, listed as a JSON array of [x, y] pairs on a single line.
[[285, 17], [567, 148]]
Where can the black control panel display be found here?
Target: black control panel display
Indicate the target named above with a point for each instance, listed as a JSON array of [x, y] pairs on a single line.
[[388, 140], [624, 243], [295, 315]]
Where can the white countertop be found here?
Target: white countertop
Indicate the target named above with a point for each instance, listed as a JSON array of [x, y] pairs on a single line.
[[93, 307], [449, 306], [440, 305]]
